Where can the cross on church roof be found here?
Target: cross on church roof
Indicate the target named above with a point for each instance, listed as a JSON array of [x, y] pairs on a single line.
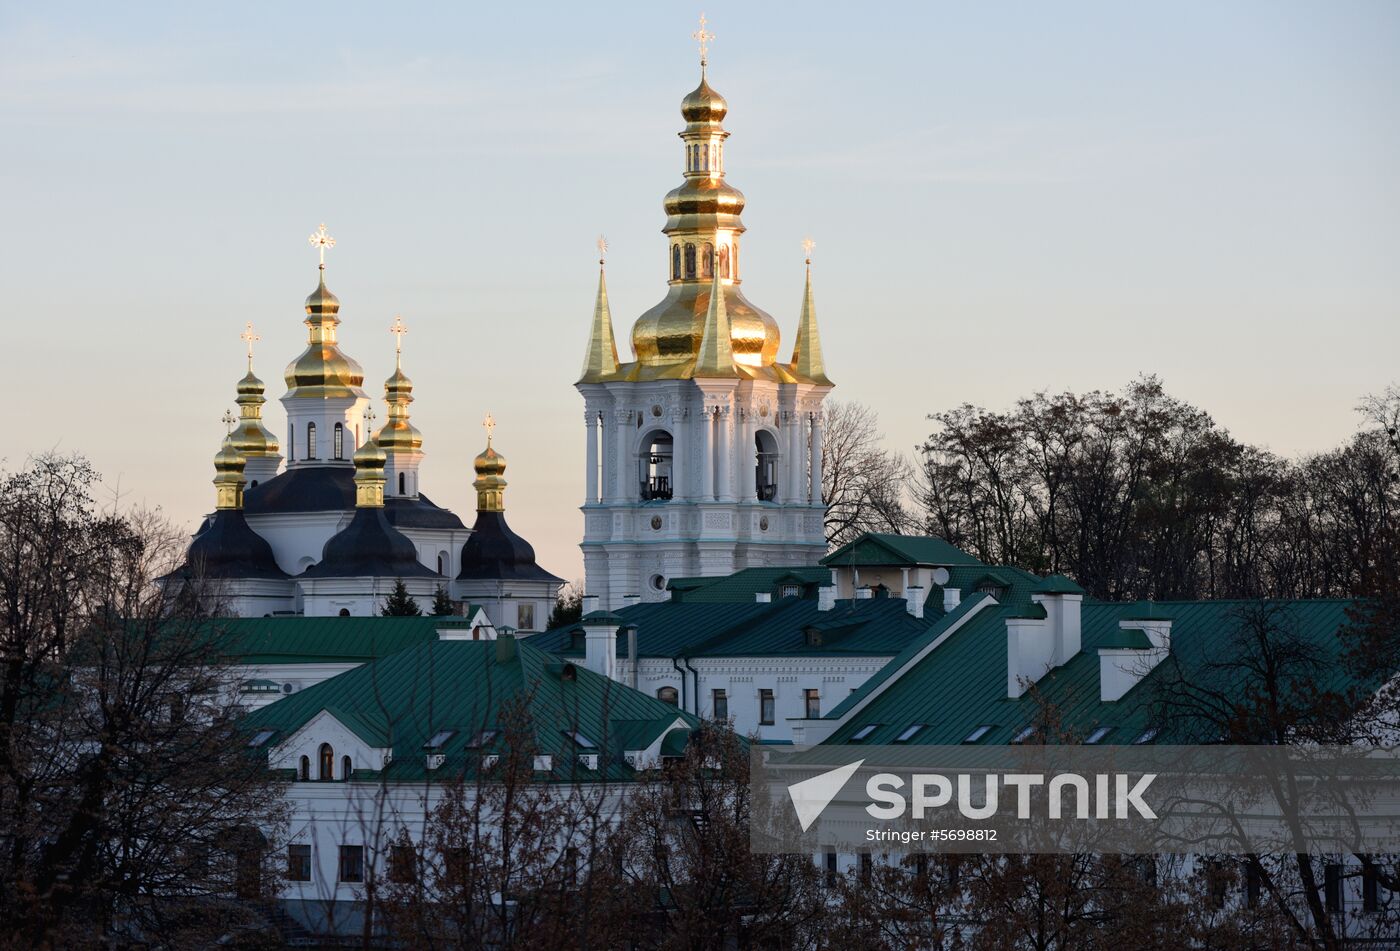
[[807, 245], [228, 420], [703, 37], [489, 424], [250, 338], [321, 241], [602, 248], [398, 329]]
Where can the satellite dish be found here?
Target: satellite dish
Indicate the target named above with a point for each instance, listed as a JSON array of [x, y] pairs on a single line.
[[941, 576]]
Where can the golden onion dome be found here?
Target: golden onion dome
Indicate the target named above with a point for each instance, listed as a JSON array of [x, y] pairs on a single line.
[[490, 481], [489, 463], [669, 333], [369, 475], [250, 436], [398, 433], [719, 202], [228, 458], [369, 457], [703, 104], [228, 476], [322, 370]]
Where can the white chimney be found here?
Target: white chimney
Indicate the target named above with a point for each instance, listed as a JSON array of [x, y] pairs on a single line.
[[590, 603], [600, 643], [763, 597], [1062, 612], [826, 598], [952, 597], [914, 600], [1143, 644], [864, 594], [1029, 649], [630, 599]]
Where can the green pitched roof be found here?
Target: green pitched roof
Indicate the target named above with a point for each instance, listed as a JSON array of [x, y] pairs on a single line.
[[402, 701], [743, 585], [305, 640], [874, 548], [1057, 584], [962, 683]]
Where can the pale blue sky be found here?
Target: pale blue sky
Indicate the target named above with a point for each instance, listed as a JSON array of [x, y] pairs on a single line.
[[1005, 197]]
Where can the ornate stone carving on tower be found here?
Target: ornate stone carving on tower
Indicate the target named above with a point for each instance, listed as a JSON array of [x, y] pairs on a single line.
[[703, 454]]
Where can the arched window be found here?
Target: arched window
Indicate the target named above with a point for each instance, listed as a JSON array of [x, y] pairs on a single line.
[[253, 484], [658, 455], [734, 260], [690, 261], [669, 695], [339, 441], [311, 440], [704, 158], [344, 612], [403, 481], [724, 260], [707, 261], [442, 568], [675, 262], [345, 768], [291, 441], [326, 757], [304, 774], [766, 469]]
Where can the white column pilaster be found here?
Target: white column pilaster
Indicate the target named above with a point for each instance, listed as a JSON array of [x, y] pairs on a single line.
[[746, 458], [682, 471], [816, 458], [590, 426], [707, 454], [725, 489]]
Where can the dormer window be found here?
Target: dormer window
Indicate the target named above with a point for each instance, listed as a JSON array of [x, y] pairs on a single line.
[[979, 733], [813, 637], [439, 739], [261, 737], [581, 741], [790, 591], [863, 734], [482, 738], [909, 732]]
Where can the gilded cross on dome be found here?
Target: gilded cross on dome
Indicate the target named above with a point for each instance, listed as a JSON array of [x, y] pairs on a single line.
[[369, 417], [321, 241], [250, 338], [602, 248], [228, 420], [398, 329], [807, 245], [489, 424], [703, 37]]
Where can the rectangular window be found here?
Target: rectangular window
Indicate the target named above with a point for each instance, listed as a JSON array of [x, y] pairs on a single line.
[[831, 868], [813, 698], [720, 701], [1370, 889], [299, 863], [525, 616], [861, 735], [1332, 886], [403, 864], [456, 865], [352, 863], [867, 866], [976, 735], [766, 711], [1252, 882], [909, 732]]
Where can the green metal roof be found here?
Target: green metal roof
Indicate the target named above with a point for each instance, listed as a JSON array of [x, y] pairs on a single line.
[[403, 700], [743, 585], [962, 683], [304, 640], [874, 548], [1057, 584], [1130, 638]]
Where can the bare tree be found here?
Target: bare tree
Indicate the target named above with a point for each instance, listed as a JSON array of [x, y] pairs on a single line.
[[129, 803], [864, 485]]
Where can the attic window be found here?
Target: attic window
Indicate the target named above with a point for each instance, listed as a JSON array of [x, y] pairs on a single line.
[[1026, 733], [864, 732], [261, 737], [1146, 736], [790, 591], [909, 732], [575, 640], [439, 739], [1098, 734], [581, 741], [482, 738], [814, 637], [997, 591], [976, 735]]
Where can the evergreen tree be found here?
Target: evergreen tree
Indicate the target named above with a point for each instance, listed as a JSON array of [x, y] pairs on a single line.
[[400, 603], [442, 603]]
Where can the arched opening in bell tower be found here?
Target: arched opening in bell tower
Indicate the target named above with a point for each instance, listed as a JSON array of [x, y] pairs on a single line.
[[657, 459], [766, 468]]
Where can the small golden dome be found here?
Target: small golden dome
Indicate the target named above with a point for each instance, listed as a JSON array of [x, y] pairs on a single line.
[[369, 457], [703, 104], [251, 437], [369, 475], [490, 481], [250, 385], [228, 458], [321, 302], [228, 476]]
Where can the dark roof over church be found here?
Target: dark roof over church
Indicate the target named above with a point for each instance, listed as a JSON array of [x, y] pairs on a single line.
[[369, 546], [495, 552], [332, 488], [227, 547]]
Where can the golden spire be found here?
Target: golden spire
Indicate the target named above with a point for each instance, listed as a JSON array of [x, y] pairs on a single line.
[[228, 475], [490, 469], [369, 469], [807, 361], [600, 359], [398, 434], [323, 371], [251, 437], [715, 358]]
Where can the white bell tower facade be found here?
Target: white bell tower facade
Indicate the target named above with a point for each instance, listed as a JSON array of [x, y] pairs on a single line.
[[703, 455]]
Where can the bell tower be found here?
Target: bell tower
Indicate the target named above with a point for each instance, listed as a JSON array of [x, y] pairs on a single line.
[[703, 455]]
